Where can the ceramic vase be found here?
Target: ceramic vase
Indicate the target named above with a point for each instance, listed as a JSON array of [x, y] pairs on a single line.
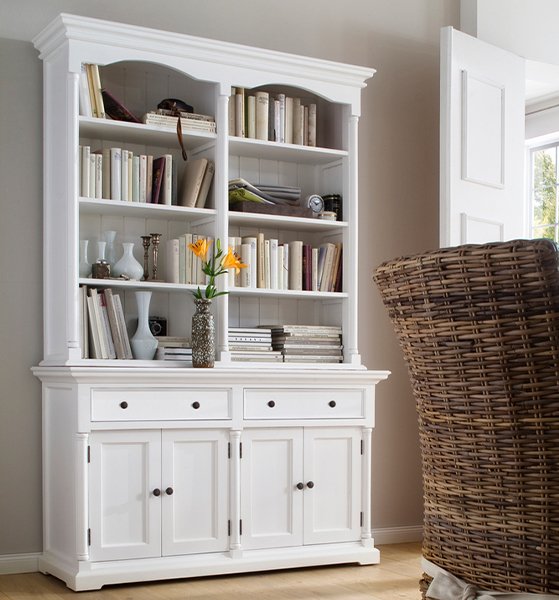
[[101, 247], [84, 267], [203, 334], [128, 265], [143, 342]]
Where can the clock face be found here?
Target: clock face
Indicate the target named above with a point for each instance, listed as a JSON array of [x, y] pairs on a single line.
[[316, 203]]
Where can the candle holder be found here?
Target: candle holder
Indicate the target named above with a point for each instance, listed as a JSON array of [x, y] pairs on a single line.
[[155, 239], [146, 241]]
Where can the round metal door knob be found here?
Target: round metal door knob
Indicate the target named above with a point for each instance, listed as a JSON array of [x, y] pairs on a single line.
[[310, 484], [196, 405], [300, 486], [271, 404], [156, 492], [124, 404], [332, 403], [169, 491]]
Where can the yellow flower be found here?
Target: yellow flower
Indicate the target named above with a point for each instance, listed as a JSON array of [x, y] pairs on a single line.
[[200, 247], [231, 261]]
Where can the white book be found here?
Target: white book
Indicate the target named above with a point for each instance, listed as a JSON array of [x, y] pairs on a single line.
[[98, 176], [136, 179], [298, 115], [84, 170], [246, 258], [113, 322], [92, 163], [260, 261], [106, 173], [124, 175], [85, 99], [95, 351], [206, 184], [286, 266], [252, 242], [107, 325], [274, 121], [296, 265], [267, 265], [232, 112], [312, 125], [122, 326], [116, 168], [233, 278], [240, 112], [99, 325], [84, 329], [149, 177], [189, 258], [288, 120], [167, 183], [306, 125], [130, 171], [324, 283], [251, 117], [274, 264], [262, 110], [172, 261], [281, 100], [143, 178], [314, 271], [280, 267], [183, 250]]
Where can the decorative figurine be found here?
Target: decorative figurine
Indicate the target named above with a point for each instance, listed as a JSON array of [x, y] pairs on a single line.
[[155, 239], [146, 241]]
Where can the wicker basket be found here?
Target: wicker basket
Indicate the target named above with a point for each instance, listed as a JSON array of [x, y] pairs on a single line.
[[479, 328]]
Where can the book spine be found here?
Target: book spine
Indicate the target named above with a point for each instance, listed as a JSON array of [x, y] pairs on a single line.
[[281, 118], [260, 266], [189, 258], [142, 185], [288, 120], [168, 180], [173, 260], [136, 179], [149, 178], [122, 326], [297, 121], [124, 175], [98, 176], [252, 261], [312, 125], [92, 164], [286, 266], [296, 265], [314, 270], [85, 99], [267, 266], [231, 107], [279, 267], [106, 173], [262, 112], [97, 91], [113, 323], [116, 169], [274, 264], [251, 117], [246, 258], [93, 329]]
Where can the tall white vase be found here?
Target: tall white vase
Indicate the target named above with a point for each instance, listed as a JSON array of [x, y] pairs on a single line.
[[143, 343], [110, 254], [84, 267]]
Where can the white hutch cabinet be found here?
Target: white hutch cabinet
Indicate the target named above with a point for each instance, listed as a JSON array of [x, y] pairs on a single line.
[[153, 470]]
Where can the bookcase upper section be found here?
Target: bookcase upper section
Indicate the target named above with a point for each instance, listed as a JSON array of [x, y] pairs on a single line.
[[102, 42]]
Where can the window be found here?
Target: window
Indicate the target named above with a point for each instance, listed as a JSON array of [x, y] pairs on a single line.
[[543, 192]]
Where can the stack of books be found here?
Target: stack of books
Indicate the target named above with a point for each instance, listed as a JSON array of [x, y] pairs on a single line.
[[252, 344], [174, 348], [308, 343], [167, 120], [241, 189]]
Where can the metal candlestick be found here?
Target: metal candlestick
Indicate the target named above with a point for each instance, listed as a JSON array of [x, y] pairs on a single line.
[[146, 241], [155, 239]]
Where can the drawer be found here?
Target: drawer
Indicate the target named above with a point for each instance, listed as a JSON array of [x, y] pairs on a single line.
[[304, 404], [154, 404]]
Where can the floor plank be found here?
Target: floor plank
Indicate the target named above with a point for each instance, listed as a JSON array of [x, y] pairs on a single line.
[[395, 578]]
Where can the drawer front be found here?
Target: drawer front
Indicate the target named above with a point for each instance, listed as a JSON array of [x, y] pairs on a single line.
[[159, 404], [304, 404]]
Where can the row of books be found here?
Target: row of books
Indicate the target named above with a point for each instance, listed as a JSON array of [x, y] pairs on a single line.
[[166, 119], [103, 328], [277, 118], [287, 266], [118, 174], [182, 265]]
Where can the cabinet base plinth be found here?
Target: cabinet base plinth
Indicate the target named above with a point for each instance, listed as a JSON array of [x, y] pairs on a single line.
[[81, 576]]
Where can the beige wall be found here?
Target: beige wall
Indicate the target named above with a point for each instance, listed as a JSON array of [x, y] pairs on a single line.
[[398, 213]]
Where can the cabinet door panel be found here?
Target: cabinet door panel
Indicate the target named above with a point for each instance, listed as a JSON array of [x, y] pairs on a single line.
[[124, 513], [332, 504], [271, 504], [194, 515]]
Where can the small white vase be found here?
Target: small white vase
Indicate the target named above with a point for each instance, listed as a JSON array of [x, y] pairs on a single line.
[[84, 267], [101, 247], [143, 343], [128, 265]]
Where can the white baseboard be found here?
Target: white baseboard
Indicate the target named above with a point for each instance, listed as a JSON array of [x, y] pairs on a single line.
[[11, 564], [398, 535]]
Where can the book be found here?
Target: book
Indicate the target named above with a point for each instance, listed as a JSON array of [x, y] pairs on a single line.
[[96, 82], [192, 178], [84, 170], [260, 261], [166, 195], [249, 257], [108, 339], [296, 265], [106, 191], [92, 162], [172, 261], [98, 320], [124, 156], [261, 117], [91, 90], [143, 179], [95, 344], [206, 184], [116, 169], [312, 125], [84, 322], [116, 333], [273, 264], [288, 116], [158, 175], [84, 97], [122, 326], [115, 109], [251, 117]]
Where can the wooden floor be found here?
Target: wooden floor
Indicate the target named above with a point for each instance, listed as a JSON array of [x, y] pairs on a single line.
[[396, 577]]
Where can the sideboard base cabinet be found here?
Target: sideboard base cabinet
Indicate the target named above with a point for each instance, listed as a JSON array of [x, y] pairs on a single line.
[[192, 472]]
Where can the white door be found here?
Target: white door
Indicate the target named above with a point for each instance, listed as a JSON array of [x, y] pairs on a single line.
[[481, 141], [195, 491], [124, 497], [272, 488], [332, 496]]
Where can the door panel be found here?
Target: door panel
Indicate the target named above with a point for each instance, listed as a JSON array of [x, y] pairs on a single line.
[[195, 470], [482, 141], [124, 513], [332, 505], [271, 503]]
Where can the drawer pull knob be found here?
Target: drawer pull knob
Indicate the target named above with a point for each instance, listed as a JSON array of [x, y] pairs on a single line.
[[156, 492], [310, 484], [332, 403], [300, 486], [271, 404], [169, 491], [196, 405], [124, 404]]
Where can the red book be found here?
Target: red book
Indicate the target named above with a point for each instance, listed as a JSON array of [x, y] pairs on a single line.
[[307, 267], [116, 110], [158, 173]]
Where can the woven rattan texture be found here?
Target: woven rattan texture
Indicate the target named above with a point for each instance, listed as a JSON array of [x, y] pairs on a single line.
[[479, 328]]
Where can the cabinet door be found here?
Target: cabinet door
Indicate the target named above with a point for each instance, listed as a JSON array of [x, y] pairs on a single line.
[[195, 491], [271, 503], [332, 485], [124, 511]]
